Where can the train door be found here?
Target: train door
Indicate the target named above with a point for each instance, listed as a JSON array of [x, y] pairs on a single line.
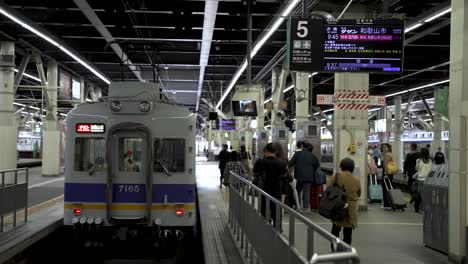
[[129, 178]]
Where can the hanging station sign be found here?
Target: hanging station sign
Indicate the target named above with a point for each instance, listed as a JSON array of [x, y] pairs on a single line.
[[360, 45]]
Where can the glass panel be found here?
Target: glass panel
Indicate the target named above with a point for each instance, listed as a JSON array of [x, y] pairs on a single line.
[[130, 154], [90, 152], [171, 153]]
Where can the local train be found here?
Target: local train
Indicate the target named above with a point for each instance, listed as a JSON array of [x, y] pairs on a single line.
[[130, 165]]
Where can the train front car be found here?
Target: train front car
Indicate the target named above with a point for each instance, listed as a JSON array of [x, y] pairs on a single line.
[[130, 166]]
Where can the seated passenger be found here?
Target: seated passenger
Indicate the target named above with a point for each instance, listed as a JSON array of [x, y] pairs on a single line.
[[233, 165], [352, 188], [128, 164]]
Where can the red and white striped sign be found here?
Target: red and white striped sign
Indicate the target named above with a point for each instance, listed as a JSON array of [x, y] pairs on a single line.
[[352, 106], [352, 96], [325, 99]]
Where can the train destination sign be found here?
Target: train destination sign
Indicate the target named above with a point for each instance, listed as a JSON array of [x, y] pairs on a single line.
[[347, 45], [90, 128]]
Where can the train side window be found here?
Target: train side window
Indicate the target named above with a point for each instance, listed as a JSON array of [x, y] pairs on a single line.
[[130, 154], [169, 153], [89, 153]]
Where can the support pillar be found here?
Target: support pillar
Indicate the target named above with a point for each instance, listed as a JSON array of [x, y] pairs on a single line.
[[8, 130], [351, 127], [438, 128], [210, 140], [51, 135], [397, 144], [458, 112]]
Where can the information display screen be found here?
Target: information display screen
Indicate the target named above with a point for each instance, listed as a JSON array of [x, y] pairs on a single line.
[[76, 89], [64, 85], [346, 45], [351, 47], [244, 108], [228, 124]]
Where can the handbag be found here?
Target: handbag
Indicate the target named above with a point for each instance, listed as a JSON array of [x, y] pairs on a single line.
[[392, 168], [333, 203]]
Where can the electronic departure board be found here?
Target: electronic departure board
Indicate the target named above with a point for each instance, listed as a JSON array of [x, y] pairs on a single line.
[[346, 45]]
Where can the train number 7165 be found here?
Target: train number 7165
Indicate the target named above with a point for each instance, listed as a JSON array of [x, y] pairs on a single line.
[[129, 188]]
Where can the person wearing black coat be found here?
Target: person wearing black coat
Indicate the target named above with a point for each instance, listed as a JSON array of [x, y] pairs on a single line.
[[224, 157], [305, 164], [409, 167]]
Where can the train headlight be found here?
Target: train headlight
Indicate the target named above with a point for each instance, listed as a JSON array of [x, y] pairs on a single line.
[[144, 106], [116, 106], [98, 221]]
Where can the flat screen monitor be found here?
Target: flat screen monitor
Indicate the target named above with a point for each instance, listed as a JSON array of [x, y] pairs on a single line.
[[64, 85], [312, 131], [212, 116], [228, 124], [244, 108], [76, 89]]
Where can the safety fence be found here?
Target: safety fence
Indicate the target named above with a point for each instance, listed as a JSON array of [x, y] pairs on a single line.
[[256, 222], [13, 195]]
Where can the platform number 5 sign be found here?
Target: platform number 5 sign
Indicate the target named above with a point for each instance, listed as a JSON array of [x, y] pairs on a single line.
[[302, 30]]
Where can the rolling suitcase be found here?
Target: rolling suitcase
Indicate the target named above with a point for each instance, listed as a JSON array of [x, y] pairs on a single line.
[[395, 196], [315, 193], [375, 190]]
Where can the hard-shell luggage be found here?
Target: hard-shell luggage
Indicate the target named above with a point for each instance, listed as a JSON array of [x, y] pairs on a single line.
[[315, 194], [395, 196], [375, 190]]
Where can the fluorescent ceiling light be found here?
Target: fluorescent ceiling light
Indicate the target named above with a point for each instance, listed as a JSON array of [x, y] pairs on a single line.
[[313, 74], [428, 85], [268, 100], [29, 76], [53, 42], [257, 47], [443, 12], [18, 104], [62, 114], [88, 100], [415, 26], [289, 88]]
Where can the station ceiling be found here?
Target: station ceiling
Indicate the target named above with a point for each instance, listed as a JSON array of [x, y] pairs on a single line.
[[166, 37]]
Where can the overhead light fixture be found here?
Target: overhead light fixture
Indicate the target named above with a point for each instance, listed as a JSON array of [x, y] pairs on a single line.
[[289, 88], [258, 46], [429, 85], [29, 76], [54, 43], [443, 12], [313, 74], [412, 27], [268, 100]]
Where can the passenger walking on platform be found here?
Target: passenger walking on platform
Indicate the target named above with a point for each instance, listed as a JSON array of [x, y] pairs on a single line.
[[439, 157], [223, 157], [376, 154], [272, 170], [387, 157], [286, 178], [423, 167], [234, 166], [352, 188], [409, 167], [246, 160], [305, 165]]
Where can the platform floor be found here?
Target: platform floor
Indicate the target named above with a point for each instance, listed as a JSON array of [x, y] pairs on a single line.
[[217, 243], [383, 236]]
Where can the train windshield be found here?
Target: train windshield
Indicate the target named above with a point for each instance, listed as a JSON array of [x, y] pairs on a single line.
[[130, 150], [169, 155], [90, 154]]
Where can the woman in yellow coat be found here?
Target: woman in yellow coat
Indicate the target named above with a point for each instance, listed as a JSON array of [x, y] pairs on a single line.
[[352, 188]]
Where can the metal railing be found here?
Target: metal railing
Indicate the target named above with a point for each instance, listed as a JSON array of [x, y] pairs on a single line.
[[13, 195], [261, 241]]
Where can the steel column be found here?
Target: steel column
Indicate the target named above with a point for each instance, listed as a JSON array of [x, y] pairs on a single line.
[[21, 70]]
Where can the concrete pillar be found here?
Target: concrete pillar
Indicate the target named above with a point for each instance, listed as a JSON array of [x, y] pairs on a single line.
[[438, 128], [51, 135], [351, 127], [8, 130], [210, 140], [458, 112], [397, 147]]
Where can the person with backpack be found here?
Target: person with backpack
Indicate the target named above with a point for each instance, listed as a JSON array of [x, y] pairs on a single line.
[[351, 187], [423, 167]]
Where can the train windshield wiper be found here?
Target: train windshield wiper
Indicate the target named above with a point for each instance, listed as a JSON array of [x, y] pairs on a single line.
[[97, 162], [164, 168]]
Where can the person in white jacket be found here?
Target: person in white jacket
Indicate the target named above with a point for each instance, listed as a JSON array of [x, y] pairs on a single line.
[[423, 167]]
